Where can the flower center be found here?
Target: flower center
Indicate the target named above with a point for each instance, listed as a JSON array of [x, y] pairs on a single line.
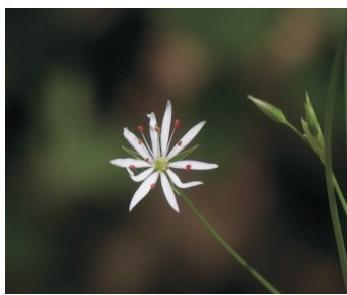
[[160, 164]]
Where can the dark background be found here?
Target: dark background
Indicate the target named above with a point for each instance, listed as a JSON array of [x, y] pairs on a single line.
[[76, 77]]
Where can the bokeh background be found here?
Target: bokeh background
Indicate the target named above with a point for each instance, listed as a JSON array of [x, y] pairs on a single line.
[[76, 77]]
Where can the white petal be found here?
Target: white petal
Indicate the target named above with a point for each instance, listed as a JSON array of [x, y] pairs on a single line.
[[165, 128], [143, 189], [126, 163], [168, 192], [137, 144], [194, 165], [142, 176], [154, 134], [185, 140], [175, 179]]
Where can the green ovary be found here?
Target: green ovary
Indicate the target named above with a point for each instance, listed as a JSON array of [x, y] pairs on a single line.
[[160, 164]]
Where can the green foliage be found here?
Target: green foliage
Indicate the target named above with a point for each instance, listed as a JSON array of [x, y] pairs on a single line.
[[312, 133], [328, 165], [314, 137]]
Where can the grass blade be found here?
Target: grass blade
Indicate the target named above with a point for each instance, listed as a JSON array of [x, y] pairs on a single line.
[[328, 159]]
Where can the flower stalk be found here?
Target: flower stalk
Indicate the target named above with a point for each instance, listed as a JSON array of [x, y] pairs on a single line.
[[159, 162], [231, 251]]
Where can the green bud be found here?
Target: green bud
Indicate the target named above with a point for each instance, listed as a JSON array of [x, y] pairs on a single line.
[[270, 110], [316, 143], [313, 127], [310, 115]]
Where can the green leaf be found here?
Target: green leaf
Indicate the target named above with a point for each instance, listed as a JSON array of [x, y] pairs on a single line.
[[185, 153], [131, 152], [270, 110]]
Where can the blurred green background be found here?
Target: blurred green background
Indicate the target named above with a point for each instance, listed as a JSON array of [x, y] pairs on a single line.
[[76, 77]]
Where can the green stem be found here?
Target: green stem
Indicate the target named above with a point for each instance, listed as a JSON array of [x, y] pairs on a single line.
[[328, 161], [337, 226], [337, 187], [264, 282], [296, 131], [340, 194]]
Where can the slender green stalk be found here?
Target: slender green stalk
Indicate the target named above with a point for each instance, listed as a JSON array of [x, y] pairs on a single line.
[[297, 132], [337, 187], [340, 194], [328, 161], [264, 282]]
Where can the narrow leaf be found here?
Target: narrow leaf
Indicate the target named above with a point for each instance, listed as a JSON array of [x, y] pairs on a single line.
[[184, 154], [131, 152], [329, 115]]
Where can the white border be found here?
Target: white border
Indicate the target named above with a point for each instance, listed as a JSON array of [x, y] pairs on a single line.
[[176, 3], [2, 135]]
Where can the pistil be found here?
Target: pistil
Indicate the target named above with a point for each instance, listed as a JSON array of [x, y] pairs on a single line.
[[160, 164]]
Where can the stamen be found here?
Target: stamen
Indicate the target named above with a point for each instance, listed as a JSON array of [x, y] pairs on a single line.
[[168, 143], [180, 142], [157, 128], [132, 167], [152, 185], [178, 124], [158, 140], [189, 167], [144, 138], [140, 141], [140, 128]]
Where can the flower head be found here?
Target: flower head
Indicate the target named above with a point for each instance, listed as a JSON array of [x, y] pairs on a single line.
[[158, 161]]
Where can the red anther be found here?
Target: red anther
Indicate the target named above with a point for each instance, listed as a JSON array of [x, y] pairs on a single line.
[[140, 128], [152, 185], [132, 167], [140, 141], [157, 128], [177, 124], [180, 142], [189, 167], [147, 160]]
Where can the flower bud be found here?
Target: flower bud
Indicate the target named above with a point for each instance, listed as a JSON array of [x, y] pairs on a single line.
[[310, 116], [270, 110]]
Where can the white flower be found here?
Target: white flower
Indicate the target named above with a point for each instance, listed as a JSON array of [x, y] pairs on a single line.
[[158, 161]]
